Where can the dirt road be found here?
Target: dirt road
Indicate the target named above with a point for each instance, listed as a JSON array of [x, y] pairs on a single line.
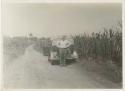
[[32, 70]]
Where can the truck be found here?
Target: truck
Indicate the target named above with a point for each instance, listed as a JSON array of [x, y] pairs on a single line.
[[62, 44]]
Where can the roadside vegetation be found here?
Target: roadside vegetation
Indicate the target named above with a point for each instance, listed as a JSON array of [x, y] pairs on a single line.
[[104, 49]]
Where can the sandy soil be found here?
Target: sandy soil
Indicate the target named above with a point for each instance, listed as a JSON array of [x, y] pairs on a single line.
[[32, 70]]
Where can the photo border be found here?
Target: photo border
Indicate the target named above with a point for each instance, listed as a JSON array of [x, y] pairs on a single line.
[[62, 1]]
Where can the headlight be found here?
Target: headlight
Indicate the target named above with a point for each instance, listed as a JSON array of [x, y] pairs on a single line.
[[53, 54], [75, 54]]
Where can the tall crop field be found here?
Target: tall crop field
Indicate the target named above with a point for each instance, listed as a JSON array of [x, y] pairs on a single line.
[[107, 45]]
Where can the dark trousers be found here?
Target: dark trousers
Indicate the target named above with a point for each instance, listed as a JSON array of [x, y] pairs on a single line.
[[63, 54]]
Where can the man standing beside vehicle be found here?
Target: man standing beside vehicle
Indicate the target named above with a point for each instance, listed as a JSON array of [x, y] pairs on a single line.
[[63, 45]]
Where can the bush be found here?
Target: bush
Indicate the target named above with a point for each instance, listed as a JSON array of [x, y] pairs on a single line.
[[15, 46]]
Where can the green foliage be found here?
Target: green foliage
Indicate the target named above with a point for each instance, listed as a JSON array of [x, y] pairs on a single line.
[[107, 44], [43, 45], [16, 46]]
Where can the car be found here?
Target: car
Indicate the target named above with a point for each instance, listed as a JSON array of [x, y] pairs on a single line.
[[57, 44]]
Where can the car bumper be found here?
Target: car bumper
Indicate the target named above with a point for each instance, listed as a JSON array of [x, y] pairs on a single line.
[[68, 58]]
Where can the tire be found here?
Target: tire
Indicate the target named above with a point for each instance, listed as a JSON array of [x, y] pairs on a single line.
[[49, 59], [52, 62]]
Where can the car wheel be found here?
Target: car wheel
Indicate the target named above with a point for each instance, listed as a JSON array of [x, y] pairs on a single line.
[[52, 62], [49, 59]]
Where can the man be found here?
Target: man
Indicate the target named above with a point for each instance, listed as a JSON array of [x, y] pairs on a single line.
[[63, 44]]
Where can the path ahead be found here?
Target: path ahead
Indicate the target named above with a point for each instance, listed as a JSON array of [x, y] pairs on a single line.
[[32, 70]]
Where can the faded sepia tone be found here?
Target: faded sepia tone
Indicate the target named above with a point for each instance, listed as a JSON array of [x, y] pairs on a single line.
[[62, 45]]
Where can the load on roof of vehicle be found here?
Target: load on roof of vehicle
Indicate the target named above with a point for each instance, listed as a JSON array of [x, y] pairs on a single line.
[[62, 42]]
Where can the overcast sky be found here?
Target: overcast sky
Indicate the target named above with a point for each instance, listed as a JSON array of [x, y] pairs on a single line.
[[58, 19]]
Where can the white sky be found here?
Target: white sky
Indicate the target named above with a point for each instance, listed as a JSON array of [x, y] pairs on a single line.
[[58, 19]]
